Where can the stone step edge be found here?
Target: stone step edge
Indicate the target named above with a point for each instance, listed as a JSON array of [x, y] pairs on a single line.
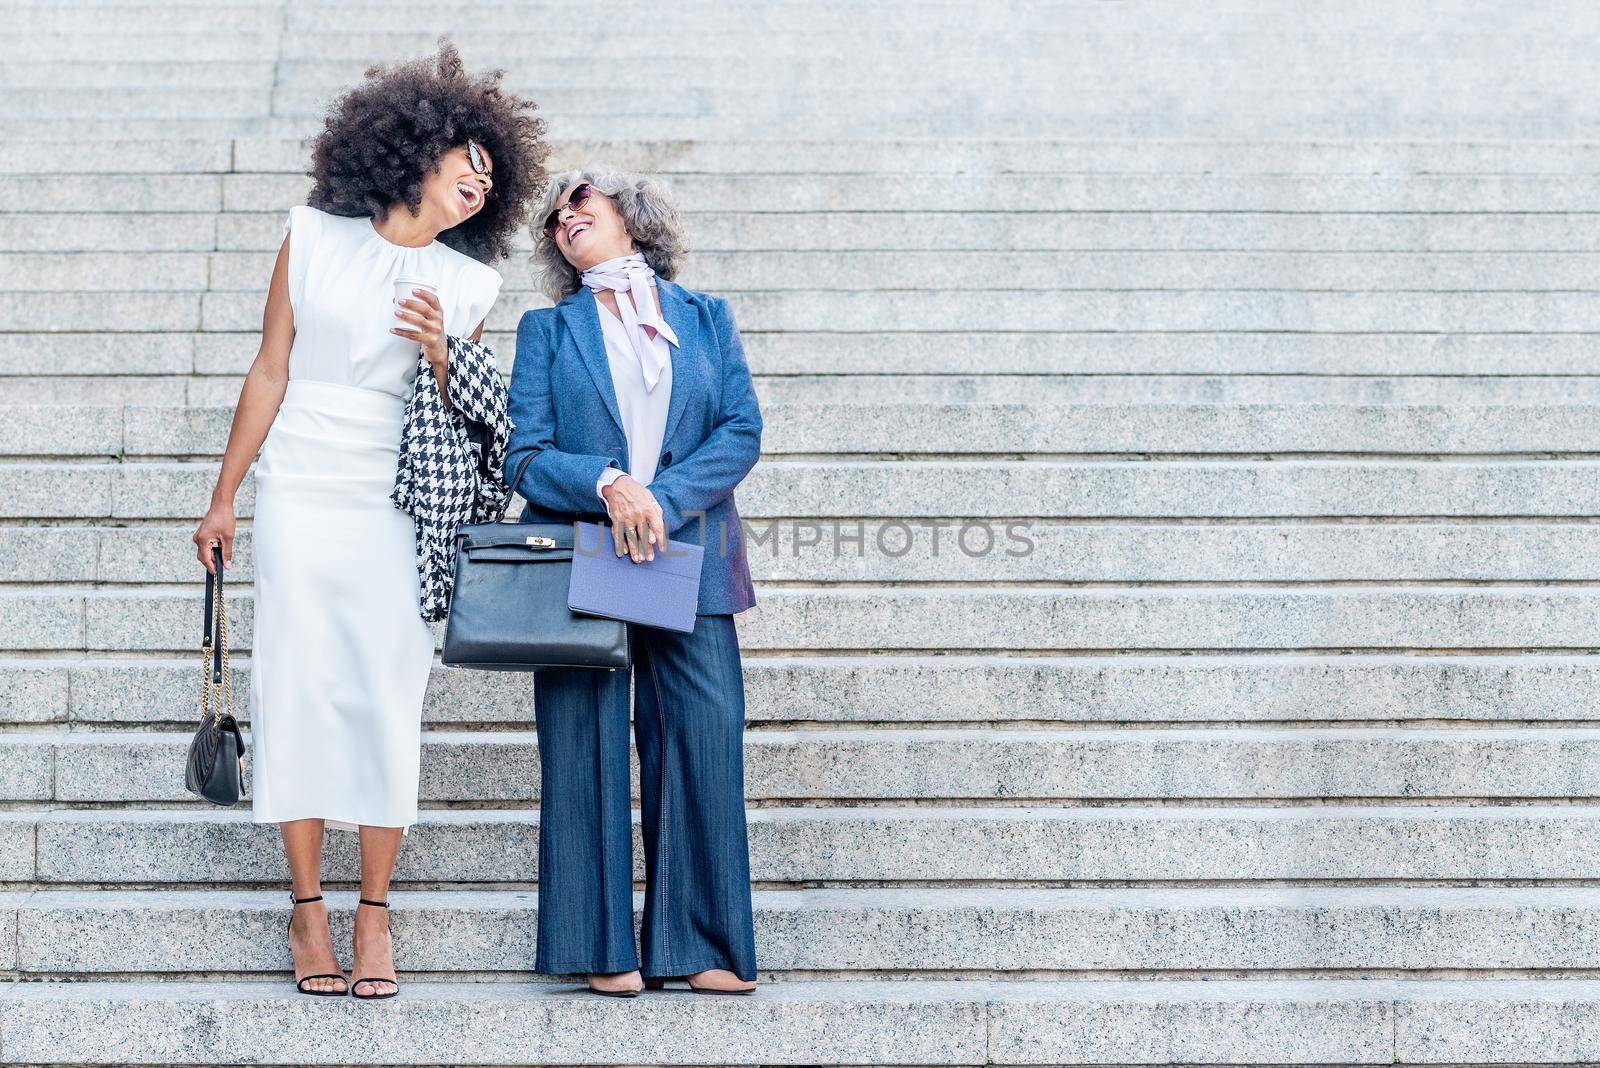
[[1228, 845], [885, 1022], [1166, 407], [801, 932], [819, 899], [267, 896], [1068, 734], [154, 691], [137, 815]]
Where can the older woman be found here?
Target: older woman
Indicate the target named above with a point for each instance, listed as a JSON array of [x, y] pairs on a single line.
[[634, 402]]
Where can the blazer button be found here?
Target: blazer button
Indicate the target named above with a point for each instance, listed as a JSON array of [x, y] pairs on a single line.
[[666, 458]]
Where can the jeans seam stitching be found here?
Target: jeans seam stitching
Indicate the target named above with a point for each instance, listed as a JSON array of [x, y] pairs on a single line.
[[662, 828]]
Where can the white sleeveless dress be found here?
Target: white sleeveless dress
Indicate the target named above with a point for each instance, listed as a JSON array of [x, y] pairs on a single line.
[[341, 654]]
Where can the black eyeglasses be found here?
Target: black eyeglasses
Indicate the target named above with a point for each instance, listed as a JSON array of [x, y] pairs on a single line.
[[579, 197], [475, 155]]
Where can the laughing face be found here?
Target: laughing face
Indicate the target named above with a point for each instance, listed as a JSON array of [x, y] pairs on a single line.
[[458, 188], [591, 232]]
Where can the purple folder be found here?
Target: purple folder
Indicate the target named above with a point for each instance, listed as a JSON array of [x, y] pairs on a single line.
[[658, 593]]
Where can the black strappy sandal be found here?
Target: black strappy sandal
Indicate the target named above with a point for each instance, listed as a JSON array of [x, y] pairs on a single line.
[[300, 984], [358, 982]]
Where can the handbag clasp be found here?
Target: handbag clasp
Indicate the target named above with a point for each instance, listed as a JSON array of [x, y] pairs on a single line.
[[541, 543]]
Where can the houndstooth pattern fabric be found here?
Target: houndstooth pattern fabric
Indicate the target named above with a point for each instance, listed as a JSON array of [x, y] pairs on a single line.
[[452, 462]]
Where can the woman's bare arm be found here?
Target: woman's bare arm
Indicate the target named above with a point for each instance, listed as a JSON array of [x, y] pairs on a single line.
[[259, 400]]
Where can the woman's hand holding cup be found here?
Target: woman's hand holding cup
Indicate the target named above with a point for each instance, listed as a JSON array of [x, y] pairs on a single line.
[[417, 303]]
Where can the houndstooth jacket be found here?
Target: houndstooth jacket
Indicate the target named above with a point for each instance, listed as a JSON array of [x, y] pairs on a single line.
[[452, 462]]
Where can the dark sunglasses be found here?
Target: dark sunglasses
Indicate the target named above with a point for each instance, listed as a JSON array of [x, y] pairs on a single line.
[[579, 197]]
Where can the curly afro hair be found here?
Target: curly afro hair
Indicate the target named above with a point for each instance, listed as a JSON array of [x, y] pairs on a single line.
[[384, 137]]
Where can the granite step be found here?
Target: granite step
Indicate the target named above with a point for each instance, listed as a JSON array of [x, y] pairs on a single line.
[[975, 154], [760, 269], [897, 98], [1395, 157], [963, 550], [814, 192], [132, 73], [980, 489], [1356, 26], [342, 18], [98, 228], [172, 46], [67, 104], [904, 105], [1108, 120], [258, 18], [1007, 767], [1053, 229], [806, 430], [953, 933], [877, 845], [1391, 367], [1018, 192], [1222, 355], [947, 689], [1118, 1022], [123, 153], [700, 123], [868, 271], [938, 311], [956, 618], [868, 387]]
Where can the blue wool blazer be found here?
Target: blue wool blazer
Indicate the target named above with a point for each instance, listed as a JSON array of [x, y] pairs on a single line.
[[564, 408]]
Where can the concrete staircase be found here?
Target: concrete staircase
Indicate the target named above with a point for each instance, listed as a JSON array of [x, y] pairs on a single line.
[[1279, 747]]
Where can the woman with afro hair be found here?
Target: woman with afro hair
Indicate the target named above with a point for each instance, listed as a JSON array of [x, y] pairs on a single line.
[[421, 175]]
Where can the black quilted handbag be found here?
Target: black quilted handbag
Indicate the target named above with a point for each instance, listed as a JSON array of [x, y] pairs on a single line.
[[215, 767]]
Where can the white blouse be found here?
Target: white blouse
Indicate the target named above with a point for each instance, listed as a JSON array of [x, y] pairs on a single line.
[[341, 334], [644, 413]]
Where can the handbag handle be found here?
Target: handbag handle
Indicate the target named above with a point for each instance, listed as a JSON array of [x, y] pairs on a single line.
[[216, 672], [523, 467], [208, 638]]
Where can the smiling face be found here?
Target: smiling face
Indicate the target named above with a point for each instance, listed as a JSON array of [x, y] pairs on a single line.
[[457, 189], [593, 232]]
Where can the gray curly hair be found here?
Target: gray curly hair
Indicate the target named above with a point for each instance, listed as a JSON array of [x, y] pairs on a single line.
[[647, 212]]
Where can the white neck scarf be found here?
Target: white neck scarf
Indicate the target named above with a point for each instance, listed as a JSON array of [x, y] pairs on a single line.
[[641, 316]]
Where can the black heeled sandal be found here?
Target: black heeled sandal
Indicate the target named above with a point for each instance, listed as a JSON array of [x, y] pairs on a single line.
[[358, 982], [300, 984]]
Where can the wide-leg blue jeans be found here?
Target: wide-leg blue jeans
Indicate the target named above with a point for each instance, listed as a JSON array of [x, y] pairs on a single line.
[[689, 725]]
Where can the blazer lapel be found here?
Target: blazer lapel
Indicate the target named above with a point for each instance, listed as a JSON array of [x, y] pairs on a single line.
[[582, 315], [681, 316]]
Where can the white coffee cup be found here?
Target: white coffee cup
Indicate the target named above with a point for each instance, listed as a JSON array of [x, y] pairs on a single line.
[[403, 288]]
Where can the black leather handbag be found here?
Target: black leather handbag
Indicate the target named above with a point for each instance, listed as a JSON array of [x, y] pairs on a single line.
[[509, 609], [215, 768]]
